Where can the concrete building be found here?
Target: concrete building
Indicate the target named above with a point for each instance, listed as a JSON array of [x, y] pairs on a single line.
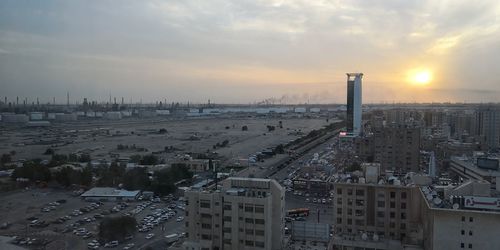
[[487, 125], [354, 103], [451, 224], [371, 212], [15, 118], [109, 194], [245, 213], [478, 167], [395, 147]]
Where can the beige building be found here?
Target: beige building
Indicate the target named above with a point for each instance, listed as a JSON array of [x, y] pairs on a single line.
[[375, 216], [448, 225], [246, 213]]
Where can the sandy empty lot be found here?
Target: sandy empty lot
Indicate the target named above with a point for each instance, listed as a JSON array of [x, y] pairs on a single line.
[[101, 138]]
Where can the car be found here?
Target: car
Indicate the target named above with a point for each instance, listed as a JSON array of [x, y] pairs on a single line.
[[308, 200], [111, 244], [149, 236], [129, 237], [129, 246], [300, 219], [180, 218]]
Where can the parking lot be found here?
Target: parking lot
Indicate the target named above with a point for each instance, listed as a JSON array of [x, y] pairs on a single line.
[[60, 219]]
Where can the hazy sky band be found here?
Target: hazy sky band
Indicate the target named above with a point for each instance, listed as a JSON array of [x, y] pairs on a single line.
[[242, 51]]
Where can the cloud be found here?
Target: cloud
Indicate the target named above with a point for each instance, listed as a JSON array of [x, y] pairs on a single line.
[[180, 47]]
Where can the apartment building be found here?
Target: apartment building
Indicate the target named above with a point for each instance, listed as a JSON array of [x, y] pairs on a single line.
[[373, 215], [245, 213], [395, 147]]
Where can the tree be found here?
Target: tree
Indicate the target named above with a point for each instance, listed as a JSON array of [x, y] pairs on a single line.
[[84, 158], [117, 228], [135, 158], [6, 158], [149, 160], [162, 131], [279, 149], [49, 151], [164, 180], [136, 179], [270, 128], [244, 128], [32, 171]]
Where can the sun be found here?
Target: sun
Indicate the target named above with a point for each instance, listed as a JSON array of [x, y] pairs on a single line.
[[423, 77]]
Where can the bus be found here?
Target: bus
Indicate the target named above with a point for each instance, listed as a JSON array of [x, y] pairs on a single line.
[[298, 212]]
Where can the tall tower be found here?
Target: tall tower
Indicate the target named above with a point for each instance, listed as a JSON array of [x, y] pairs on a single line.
[[354, 102]]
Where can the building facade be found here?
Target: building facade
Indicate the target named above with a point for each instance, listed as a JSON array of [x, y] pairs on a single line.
[[354, 103], [246, 213]]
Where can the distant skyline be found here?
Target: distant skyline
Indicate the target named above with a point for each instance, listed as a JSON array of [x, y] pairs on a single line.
[[248, 50]]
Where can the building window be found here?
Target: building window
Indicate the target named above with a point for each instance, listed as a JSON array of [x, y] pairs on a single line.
[[381, 204], [463, 232], [249, 243], [380, 214], [470, 233], [462, 245], [403, 226], [360, 192], [360, 202], [339, 210], [393, 204], [349, 221], [259, 221], [349, 202], [392, 214], [205, 204], [463, 218], [227, 206], [339, 220], [403, 205], [226, 230], [248, 220], [403, 216], [339, 190], [249, 209], [339, 201], [249, 231], [349, 211], [259, 244], [471, 219], [205, 226], [393, 194], [259, 232], [227, 218], [349, 191], [240, 205], [206, 216], [206, 237], [470, 245], [403, 195]]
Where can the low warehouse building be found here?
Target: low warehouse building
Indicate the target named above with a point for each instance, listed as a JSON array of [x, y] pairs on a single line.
[[110, 194]]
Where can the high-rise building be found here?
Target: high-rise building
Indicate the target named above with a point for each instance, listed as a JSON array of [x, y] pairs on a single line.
[[246, 213], [487, 125], [354, 102]]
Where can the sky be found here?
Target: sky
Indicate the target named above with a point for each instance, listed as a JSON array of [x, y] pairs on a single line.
[[247, 51]]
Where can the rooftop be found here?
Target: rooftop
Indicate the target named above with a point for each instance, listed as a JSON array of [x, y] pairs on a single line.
[[109, 192]]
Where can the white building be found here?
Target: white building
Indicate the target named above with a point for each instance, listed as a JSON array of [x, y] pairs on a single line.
[[110, 194]]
